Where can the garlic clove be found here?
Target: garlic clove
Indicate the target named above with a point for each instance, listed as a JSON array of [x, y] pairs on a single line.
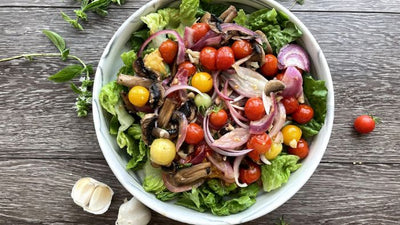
[[82, 191], [100, 200], [133, 212]]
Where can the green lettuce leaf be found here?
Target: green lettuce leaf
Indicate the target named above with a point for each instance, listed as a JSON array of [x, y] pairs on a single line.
[[171, 17], [138, 37], [218, 187], [211, 7], [114, 125], [187, 11], [138, 156], [109, 96], [135, 131], [241, 18], [316, 94], [278, 173], [310, 129], [128, 58], [233, 206]]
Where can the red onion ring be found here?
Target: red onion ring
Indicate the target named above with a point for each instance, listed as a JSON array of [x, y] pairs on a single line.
[[216, 84], [181, 87], [183, 123], [293, 55], [279, 120], [236, 165]]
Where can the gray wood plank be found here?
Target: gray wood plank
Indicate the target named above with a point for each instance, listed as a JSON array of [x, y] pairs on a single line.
[[361, 50], [309, 5], [38, 192]]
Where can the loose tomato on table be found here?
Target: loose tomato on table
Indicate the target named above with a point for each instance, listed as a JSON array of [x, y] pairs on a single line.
[[291, 104], [208, 57], [189, 67], [225, 58], [301, 150], [249, 173], [241, 49], [202, 81], [303, 114], [364, 124], [194, 134], [168, 50], [219, 119], [260, 143], [200, 30], [254, 108], [270, 67]]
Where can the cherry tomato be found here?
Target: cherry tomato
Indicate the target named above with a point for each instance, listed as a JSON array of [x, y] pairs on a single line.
[[254, 108], [208, 57], [249, 173], [200, 29], [194, 134], [168, 50], [241, 49], [189, 67], [260, 143], [279, 76], [225, 58], [202, 81], [270, 67], [219, 119], [138, 96], [291, 135], [291, 104], [303, 114], [364, 124], [301, 150]]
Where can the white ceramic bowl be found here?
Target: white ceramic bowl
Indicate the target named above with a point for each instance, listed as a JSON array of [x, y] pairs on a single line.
[[108, 66]]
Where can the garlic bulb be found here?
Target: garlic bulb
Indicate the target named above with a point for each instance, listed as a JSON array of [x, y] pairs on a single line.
[[133, 212], [92, 195]]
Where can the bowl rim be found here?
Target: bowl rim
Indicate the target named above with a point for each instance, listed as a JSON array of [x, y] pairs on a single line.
[[138, 191]]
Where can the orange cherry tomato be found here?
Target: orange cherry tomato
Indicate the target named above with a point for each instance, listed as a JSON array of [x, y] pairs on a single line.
[[168, 50], [219, 119], [270, 67], [208, 57], [249, 173], [291, 104], [189, 67], [254, 108], [241, 49], [200, 29], [301, 150], [303, 114], [194, 134], [260, 143], [225, 58]]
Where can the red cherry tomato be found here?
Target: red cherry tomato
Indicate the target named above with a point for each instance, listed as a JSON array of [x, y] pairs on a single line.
[[208, 57], [219, 119], [301, 150], [270, 67], [225, 58], [303, 114], [189, 67], [241, 49], [364, 124], [168, 50], [260, 143], [279, 76], [194, 134], [200, 29], [291, 104], [254, 109], [249, 173]]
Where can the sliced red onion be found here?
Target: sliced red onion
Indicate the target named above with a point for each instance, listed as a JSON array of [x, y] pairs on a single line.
[[225, 27], [278, 138], [210, 39], [181, 87], [264, 160], [246, 82], [293, 55], [216, 85], [240, 97], [183, 123], [241, 61], [169, 184], [293, 83], [180, 58], [224, 166], [267, 102], [236, 165], [262, 125], [238, 107], [199, 158], [279, 120], [233, 139], [188, 37]]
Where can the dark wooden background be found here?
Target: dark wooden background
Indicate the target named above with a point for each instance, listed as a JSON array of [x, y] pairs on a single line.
[[45, 148]]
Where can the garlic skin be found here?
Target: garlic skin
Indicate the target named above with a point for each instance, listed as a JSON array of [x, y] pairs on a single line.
[[93, 196], [133, 212]]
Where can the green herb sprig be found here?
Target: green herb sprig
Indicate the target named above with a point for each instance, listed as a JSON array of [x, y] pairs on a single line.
[[97, 6], [68, 73]]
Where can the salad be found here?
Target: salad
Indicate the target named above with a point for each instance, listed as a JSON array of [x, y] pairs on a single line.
[[214, 104]]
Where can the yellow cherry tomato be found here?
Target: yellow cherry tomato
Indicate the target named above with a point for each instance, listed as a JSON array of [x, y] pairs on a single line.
[[202, 81], [138, 96], [274, 151], [291, 135], [162, 151]]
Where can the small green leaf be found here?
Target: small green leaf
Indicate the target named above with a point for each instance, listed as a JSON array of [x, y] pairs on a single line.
[[67, 73], [80, 14], [89, 69], [101, 12], [64, 54], [71, 21], [57, 40], [75, 89], [96, 4]]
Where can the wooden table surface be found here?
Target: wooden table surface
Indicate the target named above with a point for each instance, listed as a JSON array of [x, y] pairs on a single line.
[[45, 147]]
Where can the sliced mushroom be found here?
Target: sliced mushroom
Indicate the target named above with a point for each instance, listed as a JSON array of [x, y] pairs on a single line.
[[160, 133], [147, 124], [264, 39], [229, 14], [156, 95], [131, 81], [189, 109], [193, 173], [166, 112], [142, 71], [273, 86], [194, 56], [259, 55], [206, 18]]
